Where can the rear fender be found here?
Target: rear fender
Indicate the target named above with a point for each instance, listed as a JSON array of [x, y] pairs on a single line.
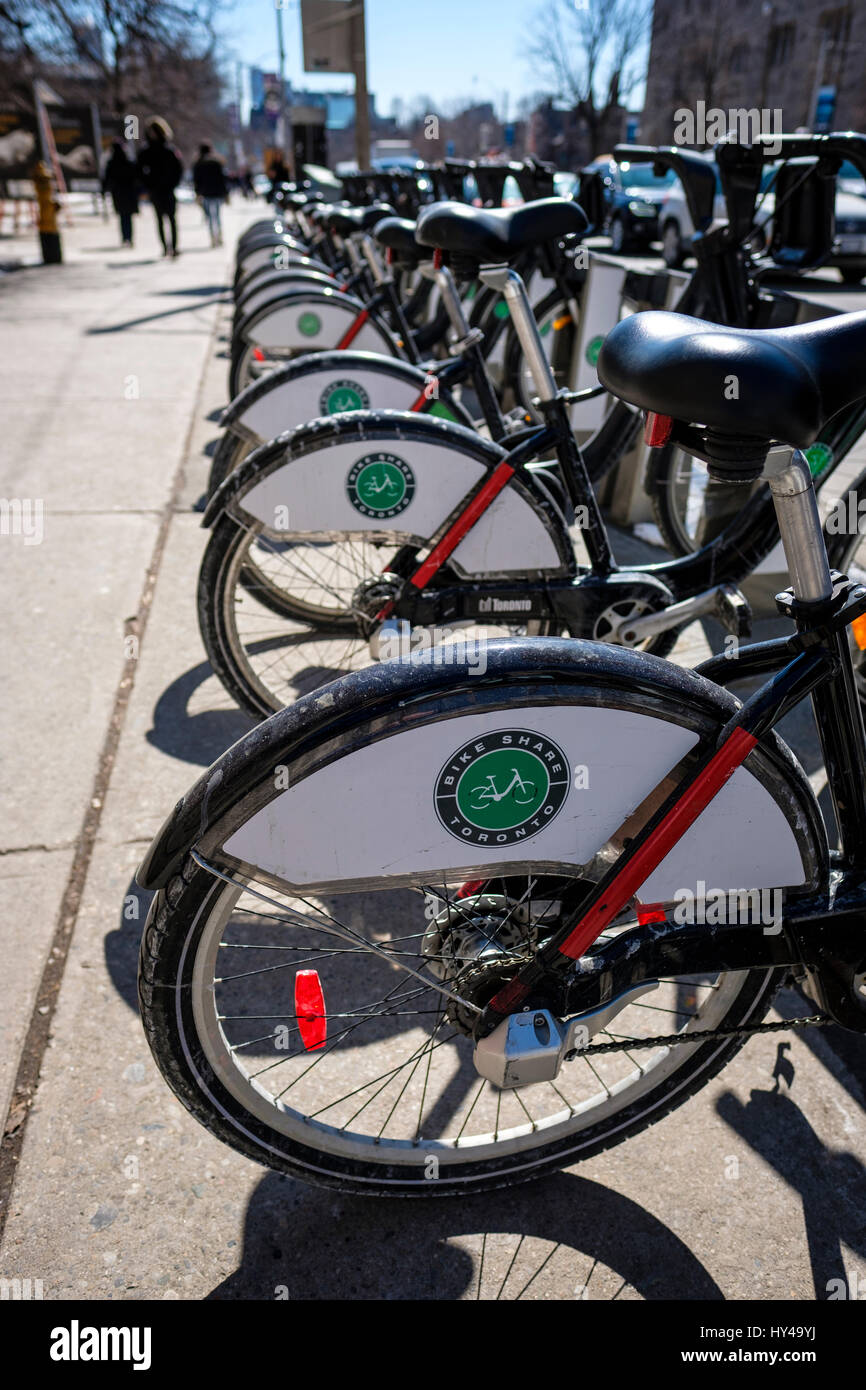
[[313, 319], [357, 782], [312, 386], [310, 481]]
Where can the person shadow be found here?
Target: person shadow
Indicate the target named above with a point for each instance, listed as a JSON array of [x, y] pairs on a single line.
[[562, 1236], [831, 1184]]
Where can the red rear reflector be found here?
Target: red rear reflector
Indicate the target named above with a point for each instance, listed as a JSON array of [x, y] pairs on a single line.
[[650, 912], [657, 430], [437, 259], [310, 1009], [389, 256], [471, 887], [258, 355]]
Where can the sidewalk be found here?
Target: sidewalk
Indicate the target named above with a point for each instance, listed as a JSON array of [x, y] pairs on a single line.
[[748, 1191]]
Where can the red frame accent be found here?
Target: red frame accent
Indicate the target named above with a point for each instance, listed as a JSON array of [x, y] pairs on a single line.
[[498, 479], [351, 333], [681, 816], [678, 820]]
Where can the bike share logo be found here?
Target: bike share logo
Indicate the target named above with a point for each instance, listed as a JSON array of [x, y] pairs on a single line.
[[380, 485], [309, 324], [343, 395], [502, 788]]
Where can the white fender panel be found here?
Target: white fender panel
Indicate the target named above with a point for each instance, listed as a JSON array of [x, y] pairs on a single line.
[[294, 402], [288, 283], [373, 814], [267, 255], [312, 324], [315, 487]]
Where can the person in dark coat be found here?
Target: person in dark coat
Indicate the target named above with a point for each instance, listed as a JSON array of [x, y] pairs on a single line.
[[120, 181], [161, 169], [209, 180]]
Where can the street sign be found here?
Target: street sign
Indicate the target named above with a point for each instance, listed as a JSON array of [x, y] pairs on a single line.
[[327, 26]]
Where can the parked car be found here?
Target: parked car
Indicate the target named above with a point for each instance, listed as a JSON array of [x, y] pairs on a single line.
[[632, 197], [849, 244]]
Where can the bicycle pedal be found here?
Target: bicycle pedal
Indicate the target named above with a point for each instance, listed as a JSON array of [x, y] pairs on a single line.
[[733, 611]]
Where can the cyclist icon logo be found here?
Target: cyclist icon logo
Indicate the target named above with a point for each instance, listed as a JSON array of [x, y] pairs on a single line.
[[380, 485], [502, 788], [343, 395]]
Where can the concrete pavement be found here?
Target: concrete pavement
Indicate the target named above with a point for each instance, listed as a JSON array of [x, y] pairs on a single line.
[[755, 1188]]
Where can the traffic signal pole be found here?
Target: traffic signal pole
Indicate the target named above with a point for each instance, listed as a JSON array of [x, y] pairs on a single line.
[[362, 100]]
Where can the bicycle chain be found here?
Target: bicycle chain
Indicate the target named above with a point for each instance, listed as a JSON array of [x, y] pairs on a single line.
[[707, 1035]]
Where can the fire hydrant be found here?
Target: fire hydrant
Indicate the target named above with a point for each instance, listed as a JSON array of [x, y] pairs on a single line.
[[49, 235]]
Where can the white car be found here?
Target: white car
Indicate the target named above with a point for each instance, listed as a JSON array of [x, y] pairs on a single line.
[[849, 244]]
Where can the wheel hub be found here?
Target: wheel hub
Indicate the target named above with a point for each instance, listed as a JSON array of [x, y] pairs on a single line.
[[474, 946]]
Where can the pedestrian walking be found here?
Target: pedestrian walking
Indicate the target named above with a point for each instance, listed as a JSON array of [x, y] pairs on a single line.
[[160, 168], [209, 180], [120, 182]]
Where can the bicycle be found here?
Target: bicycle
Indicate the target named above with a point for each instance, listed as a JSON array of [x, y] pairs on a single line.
[[481, 528], [564, 984]]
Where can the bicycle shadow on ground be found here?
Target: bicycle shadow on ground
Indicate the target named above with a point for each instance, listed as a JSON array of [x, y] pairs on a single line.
[[121, 944], [200, 735], [831, 1184], [560, 1237]]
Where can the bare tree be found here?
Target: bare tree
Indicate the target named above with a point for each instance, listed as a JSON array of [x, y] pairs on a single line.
[[130, 56], [588, 53]]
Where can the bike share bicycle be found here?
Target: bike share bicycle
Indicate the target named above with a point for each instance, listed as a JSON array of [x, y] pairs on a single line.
[[360, 970], [475, 528]]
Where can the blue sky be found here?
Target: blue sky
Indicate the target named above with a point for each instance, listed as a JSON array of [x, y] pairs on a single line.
[[446, 49]]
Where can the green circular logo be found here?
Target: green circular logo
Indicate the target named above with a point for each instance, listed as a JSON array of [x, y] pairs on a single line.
[[380, 485], [343, 395], [502, 788], [309, 324], [819, 456], [593, 349]]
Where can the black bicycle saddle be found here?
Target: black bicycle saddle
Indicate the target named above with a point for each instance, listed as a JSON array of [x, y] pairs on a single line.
[[397, 234], [771, 384], [494, 236], [345, 221]]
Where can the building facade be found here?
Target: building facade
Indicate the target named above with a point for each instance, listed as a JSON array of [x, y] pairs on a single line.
[[805, 58]]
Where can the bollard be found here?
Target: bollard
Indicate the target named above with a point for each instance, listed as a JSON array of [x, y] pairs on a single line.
[[49, 235]]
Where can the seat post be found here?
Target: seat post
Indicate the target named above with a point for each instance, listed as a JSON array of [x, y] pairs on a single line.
[[511, 287], [790, 480]]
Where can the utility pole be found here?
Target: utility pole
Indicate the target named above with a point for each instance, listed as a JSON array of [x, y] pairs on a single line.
[[362, 101], [281, 132]]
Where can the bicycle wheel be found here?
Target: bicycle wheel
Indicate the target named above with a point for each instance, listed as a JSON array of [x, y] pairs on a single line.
[[691, 509], [258, 597], [389, 1102]]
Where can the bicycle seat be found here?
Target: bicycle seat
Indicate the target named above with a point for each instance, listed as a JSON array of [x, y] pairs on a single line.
[[397, 234], [742, 384], [494, 236], [347, 221]]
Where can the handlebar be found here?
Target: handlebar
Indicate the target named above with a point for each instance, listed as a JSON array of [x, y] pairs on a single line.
[[693, 171]]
